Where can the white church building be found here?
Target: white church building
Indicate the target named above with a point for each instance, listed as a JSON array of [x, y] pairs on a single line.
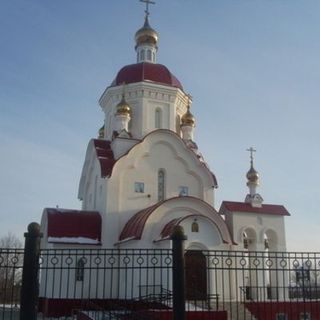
[[144, 175]]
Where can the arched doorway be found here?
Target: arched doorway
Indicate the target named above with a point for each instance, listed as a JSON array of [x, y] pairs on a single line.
[[196, 275]]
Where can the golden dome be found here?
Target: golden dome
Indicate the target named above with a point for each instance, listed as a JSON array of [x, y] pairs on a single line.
[[146, 35], [188, 119], [123, 107], [101, 133], [252, 175]]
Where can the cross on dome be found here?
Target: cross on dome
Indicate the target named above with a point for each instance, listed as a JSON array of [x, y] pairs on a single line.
[[147, 2], [251, 150]]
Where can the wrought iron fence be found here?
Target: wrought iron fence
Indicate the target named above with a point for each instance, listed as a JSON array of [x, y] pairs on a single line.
[[11, 263], [140, 284]]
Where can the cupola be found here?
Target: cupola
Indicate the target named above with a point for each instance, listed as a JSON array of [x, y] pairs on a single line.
[[146, 42], [123, 107], [188, 122], [122, 116], [252, 182], [101, 133]]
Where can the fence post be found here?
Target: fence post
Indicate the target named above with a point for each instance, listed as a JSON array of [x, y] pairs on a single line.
[[178, 273], [30, 285]]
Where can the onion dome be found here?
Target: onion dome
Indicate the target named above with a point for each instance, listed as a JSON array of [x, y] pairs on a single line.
[[188, 119], [123, 107], [146, 35], [144, 71], [101, 133], [253, 176]]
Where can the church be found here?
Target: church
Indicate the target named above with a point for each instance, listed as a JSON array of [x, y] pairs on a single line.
[[144, 174]]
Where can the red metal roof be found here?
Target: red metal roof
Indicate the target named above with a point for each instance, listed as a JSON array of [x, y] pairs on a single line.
[[247, 207], [145, 71], [135, 225], [105, 156], [63, 223]]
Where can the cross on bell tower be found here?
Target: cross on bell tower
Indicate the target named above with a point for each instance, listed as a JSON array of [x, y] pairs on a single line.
[[253, 182]]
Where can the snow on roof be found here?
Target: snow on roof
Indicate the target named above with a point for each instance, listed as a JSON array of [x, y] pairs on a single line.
[[73, 226], [247, 207]]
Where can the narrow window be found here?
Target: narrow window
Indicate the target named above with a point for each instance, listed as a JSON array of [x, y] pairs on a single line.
[[80, 269], [161, 185], [142, 55], [149, 55], [195, 226], [158, 119], [139, 187]]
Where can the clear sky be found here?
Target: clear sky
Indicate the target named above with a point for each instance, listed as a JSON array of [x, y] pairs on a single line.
[[252, 67]]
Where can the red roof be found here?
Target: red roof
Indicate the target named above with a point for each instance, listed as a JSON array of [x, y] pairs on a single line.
[[247, 207], [105, 156], [135, 225], [145, 71], [64, 223]]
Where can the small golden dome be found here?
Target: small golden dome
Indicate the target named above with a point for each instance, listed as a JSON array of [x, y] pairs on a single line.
[[146, 35], [101, 133], [252, 175], [188, 119], [123, 107]]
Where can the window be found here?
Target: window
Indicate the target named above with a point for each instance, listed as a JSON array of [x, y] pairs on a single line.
[[183, 191], [149, 55], [139, 187], [195, 226], [80, 269], [158, 119], [304, 316], [281, 316], [161, 185], [142, 55]]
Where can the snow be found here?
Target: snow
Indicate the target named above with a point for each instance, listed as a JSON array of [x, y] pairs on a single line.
[[80, 240]]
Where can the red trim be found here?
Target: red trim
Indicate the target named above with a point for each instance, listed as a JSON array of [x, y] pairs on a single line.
[[247, 207], [293, 309], [105, 156], [135, 225], [67, 307]]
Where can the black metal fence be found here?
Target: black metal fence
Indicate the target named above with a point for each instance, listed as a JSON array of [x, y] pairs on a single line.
[[158, 284], [11, 263]]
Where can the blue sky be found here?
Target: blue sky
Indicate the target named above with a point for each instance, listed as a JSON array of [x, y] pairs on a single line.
[[252, 67]]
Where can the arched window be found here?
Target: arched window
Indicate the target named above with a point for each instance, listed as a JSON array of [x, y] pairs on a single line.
[[80, 269], [142, 55], [158, 119], [149, 55], [195, 226], [161, 185]]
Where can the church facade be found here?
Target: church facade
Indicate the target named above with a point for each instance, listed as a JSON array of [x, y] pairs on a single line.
[[144, 175]]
